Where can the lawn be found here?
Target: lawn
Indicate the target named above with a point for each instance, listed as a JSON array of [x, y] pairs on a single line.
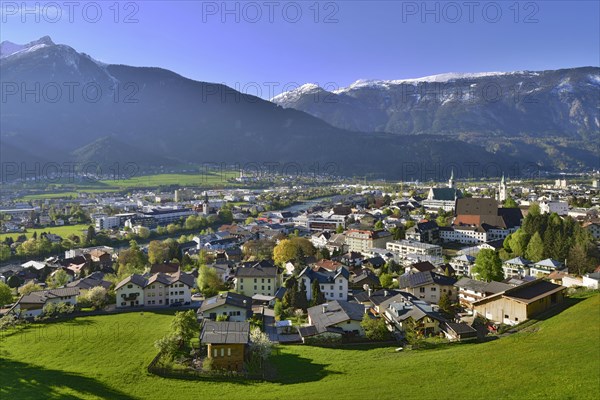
[[106, 356], [196, 180], [62, 231], [204, 180]]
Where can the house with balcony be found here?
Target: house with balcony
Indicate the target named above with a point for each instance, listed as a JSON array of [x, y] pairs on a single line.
[[517, 266], [159, 289], [545, 267]]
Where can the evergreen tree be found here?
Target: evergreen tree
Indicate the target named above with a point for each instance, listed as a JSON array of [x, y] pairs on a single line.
[[535, 248], [301, 300], [317, 296]]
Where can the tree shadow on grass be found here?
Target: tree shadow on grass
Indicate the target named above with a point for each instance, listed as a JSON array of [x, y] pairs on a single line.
[[26, 381], [292, 368]]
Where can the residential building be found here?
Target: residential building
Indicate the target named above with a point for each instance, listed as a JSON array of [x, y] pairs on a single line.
[[257, 278], [159, 289], [32, 305], [593, 227], [517, 266], [471, 290], [362, 240], [342, 317], [234, 306], [332, 283], [226, 343], [403, 248], [545, 267], [429, 286], [106, 223], [520, 303], [554, 206], [425, 232], [463, 264], [402, 307]]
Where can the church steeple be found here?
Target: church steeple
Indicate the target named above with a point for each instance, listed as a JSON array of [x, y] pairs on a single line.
[[451, 180], [502, 190]]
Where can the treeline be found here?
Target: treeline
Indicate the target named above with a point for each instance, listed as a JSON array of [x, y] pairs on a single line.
[[550, 236]]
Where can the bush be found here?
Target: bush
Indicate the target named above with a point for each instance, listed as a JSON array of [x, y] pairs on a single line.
[[55, 309], [207, 365]]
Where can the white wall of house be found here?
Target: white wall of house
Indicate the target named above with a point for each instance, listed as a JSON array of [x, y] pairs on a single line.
[[179, 292], [569, 281], [126, 291], [590, 282], [236, 314], [511, 270], [332, 291]]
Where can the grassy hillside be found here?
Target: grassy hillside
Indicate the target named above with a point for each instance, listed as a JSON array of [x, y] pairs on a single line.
[[105, 357]]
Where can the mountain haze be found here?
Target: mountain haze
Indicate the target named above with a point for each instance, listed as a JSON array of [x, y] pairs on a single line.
[[62, 105]]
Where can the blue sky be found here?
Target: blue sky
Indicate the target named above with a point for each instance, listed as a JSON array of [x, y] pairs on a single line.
[[334, 43]]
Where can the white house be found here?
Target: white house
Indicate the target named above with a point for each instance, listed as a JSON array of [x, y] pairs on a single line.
[[130, 291], [160, 289], [332, 283], [517, 266], [463, 264], [545, 267], [32, 304], [234, 306]]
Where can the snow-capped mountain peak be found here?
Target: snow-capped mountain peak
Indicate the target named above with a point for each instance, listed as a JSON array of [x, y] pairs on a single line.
[[8, 49], [295, 94]]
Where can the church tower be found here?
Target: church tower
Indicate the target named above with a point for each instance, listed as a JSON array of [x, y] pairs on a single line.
[[502, 192], [451, 180], [205, 209]]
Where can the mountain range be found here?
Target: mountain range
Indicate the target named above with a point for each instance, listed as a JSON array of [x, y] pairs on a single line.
[[549, 117], [61, 105]]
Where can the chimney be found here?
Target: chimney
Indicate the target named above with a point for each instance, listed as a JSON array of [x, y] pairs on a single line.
[[324, 308], [385, 293]]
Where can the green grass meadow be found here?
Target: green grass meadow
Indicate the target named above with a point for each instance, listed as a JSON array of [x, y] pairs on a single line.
[[62, 231], [106, 357]]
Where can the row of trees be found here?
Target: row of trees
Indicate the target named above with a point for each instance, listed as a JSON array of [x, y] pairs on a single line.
[[550, 236]]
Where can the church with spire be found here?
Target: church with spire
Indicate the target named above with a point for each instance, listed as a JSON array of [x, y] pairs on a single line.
[[444, 198]]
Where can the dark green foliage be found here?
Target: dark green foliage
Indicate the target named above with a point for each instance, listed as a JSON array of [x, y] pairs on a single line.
[[375, 328], [488, 266], [317, 296]]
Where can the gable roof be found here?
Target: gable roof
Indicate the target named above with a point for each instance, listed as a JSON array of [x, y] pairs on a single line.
[[89, 282], [41, 296], [527, 292], [259, 269], [324, 275], [424, 278], [518, 261], [230, 298], [482, 287], [548, 263], [334, 312], [134, 279], [225, 332], [446, 194], [423, 266]]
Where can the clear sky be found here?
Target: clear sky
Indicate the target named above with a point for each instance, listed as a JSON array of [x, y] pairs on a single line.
[[250, 44]]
